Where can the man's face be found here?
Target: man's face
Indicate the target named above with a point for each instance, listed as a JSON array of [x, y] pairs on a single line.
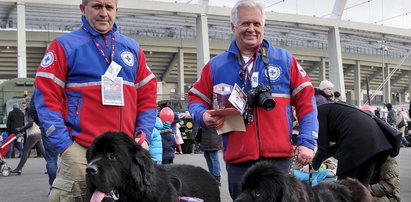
[[100, 14], [249, 29]]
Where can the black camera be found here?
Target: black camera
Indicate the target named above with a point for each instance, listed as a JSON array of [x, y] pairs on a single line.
[[261, 95]]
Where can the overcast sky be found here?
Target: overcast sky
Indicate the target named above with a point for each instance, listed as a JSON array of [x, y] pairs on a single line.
[[396, 13]]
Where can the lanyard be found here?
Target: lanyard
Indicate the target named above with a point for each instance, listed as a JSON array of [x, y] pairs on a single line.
[[113, 43], [247, 74]]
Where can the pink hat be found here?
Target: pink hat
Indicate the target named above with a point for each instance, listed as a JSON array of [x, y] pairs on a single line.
[[366, 108]]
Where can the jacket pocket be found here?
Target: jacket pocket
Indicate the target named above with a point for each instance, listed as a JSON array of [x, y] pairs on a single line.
[[74, 110]]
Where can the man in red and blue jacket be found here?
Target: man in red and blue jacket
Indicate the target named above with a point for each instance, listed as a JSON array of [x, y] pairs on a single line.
[[250, 61], [69, 94]]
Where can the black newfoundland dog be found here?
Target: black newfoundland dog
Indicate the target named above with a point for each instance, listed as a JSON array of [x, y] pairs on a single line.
[[119, 169], [265, 182]]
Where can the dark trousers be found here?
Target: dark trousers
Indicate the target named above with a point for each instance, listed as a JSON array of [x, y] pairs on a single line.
[[365, 171], [28, 145], [167, 161], [236, 171]]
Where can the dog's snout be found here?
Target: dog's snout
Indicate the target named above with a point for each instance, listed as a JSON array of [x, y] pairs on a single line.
[[91, 169]]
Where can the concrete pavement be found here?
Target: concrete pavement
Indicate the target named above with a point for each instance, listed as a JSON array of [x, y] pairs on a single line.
[[32, 184]]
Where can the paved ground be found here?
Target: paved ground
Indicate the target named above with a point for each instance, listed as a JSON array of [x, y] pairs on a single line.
[[32, 185]]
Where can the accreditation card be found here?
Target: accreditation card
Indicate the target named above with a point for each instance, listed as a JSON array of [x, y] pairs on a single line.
[[112, 91]]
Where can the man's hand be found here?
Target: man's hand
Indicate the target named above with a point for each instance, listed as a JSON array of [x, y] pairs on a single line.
[[144, 144], [212, 121], [304, 154]]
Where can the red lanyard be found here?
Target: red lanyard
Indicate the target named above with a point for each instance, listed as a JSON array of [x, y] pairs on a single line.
[[113, 43]]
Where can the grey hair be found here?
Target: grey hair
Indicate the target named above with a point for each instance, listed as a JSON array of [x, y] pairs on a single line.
[[85, 2], [247, 3]]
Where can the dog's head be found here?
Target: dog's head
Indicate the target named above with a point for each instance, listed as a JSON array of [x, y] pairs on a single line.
[[266, 182], [116, 166]]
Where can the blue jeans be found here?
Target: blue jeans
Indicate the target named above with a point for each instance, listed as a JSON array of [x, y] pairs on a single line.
[[213, 162], [236, 172], [19, 145], [404, 141], [50, 155]]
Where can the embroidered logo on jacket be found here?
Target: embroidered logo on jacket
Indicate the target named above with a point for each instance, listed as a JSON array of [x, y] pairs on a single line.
[[274, 72], [127, 58], [47, 60]]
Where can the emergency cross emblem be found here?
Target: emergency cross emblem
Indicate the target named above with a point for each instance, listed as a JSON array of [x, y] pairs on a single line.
[[274, 72], [47, 60], [127, 58]]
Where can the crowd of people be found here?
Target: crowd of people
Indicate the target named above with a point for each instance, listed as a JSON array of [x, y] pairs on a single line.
[[74, 102]]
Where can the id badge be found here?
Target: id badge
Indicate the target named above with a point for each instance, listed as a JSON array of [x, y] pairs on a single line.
[[112, 91], [254, 80], [112, 70]]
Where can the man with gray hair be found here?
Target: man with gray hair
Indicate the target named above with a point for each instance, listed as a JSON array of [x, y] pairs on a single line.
[[91, 81], [264, 73]]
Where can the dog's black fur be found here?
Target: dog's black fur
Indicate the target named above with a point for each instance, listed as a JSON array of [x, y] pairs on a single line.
[[117, 164], [265, 182]]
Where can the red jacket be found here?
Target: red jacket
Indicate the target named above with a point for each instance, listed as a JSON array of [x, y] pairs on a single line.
[[269, 135]]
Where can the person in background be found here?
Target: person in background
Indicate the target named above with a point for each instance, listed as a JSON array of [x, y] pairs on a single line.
[[324, 92], [337, 96], [175, 127], [15, 119], [50, 154], [401, 123], [33, 137], [169, 143], [361, 145], [385, 183], [377, 112], [156, 146], [253, 64], [196, 132], [409, 110], [179, 139], [210, 145], [91, 81], [391, 117]]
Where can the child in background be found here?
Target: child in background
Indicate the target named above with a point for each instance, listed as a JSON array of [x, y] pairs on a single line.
[[156, 146], [178, 139], [169, 143]]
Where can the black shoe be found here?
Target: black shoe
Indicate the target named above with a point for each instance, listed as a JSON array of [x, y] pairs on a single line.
[[17, 171]]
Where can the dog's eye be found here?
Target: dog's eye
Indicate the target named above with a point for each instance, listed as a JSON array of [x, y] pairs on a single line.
[[111, 156]]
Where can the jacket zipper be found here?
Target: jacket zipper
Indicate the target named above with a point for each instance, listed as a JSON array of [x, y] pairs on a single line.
[[77, 109], [257, 131], [121, 115]]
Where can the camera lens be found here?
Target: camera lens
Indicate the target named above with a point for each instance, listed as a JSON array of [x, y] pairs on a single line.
[[266, 101]]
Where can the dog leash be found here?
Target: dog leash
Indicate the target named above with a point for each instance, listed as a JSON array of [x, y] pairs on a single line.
[[310, 170]]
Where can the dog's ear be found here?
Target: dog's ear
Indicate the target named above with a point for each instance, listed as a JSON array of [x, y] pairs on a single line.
[[177, 184], [145, 171]]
